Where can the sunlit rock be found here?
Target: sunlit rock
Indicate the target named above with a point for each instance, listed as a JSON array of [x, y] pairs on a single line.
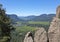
[[28, 37], [40, 35]]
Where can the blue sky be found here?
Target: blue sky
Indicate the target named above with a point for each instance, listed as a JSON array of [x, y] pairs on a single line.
[[30, 7]]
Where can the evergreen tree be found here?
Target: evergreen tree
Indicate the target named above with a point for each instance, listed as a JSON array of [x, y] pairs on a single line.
[[5, 24]]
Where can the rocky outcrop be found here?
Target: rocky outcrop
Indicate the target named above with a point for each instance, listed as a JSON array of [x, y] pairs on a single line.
[[40, 35], [58, 12], [28, 37], [54, 29]]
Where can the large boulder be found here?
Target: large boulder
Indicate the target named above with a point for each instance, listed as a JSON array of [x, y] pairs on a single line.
[[40, 35], [28, 37]]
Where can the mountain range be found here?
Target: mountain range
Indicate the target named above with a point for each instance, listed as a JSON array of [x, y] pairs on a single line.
[[43, 17]]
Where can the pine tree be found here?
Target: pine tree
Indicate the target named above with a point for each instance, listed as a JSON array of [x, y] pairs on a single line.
[[5, 24]]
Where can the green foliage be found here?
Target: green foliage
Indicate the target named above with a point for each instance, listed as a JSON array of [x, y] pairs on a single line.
[[5, 27], [25, 28]]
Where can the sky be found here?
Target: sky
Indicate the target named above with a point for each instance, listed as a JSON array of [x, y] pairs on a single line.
[[30, 7]]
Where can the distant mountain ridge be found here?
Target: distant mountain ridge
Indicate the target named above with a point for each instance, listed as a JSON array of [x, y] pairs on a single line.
[[43, 17], [14, 18]]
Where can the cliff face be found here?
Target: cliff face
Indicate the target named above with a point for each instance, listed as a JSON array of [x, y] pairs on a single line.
[[54, 30]]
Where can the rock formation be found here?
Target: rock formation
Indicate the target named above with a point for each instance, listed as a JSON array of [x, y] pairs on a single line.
[[54, 29], [58, 12], [28, 37], [40, 35]]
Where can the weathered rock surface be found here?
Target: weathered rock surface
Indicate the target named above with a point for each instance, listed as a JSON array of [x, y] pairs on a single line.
[[40, 35], [28, 37], [54, 29], [58, 12]]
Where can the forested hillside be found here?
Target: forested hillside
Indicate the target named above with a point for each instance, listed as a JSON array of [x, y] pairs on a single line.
[[43, 17]]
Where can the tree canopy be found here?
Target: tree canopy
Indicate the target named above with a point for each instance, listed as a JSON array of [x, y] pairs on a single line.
[[5, 24]]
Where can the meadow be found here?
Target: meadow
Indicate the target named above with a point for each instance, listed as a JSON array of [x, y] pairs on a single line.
[[39, 22]]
